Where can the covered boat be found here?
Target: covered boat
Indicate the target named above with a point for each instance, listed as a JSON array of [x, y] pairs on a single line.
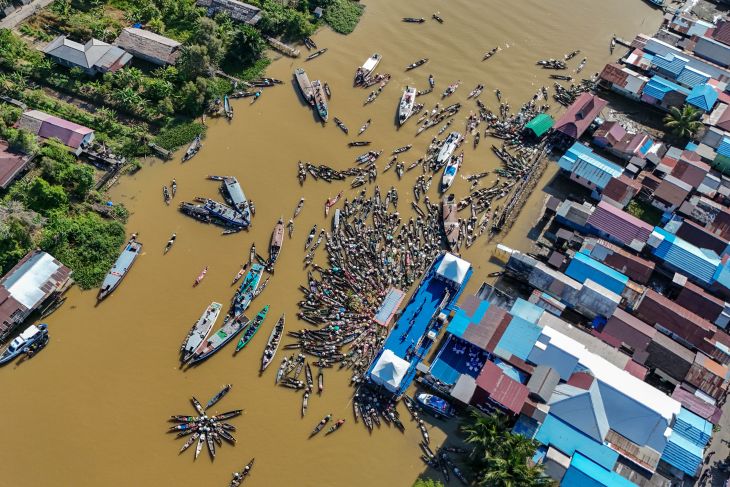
[[120, 268], [448, 147], [252, 328], [452, 167], [247, 291], [320, 100], [199, 331], [305, 86], [31, 338], [193, 148], [436, 405], [220, 338], [363, 72], [272, 345], [235, 196], [450, 221], [229, 216], [405, 109], [277, 240]]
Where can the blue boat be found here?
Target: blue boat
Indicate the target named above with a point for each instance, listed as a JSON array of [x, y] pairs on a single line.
[[220, 338], [435, 405], [31, 339], [234, 194], [247, 291], [120, 268], [227, 215]]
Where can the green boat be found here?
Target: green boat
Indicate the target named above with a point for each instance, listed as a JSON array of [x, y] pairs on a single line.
[[252, 328]]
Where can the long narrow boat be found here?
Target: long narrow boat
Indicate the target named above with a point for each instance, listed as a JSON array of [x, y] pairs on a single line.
[[273, 344], [448, 147], [193, 149], [247, 290], [416, 64], [450, 221], [335, 426], [320, 100], [330, 203], [238, 478], [220, 338], [452, 167], [316, 54], [252, 328], [305, 86], [227, 107], [213, 400], [405, 109], [120, 268], [320, 425], [33, 335], [363, 72], [199, 331], [277, 240]]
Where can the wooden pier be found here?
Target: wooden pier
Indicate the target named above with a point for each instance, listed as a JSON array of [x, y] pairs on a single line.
[[282, 48]]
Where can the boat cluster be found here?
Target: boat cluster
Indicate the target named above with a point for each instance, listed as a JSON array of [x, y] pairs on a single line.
[[234, 215]]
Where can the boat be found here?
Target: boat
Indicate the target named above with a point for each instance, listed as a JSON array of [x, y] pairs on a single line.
[[435, 405], [32, 338], [363, 72], [450, 89], [211, 445], [227, 415], [335, 426], [229, 216], [305, 86], [310, 238], [190, 441], [238, 478], [198, 407], [341, 125], [358, 143], [199, 447], [405, 108], [336, 220], [272, 345], [227, 107], [320, 101], [490, 53], [199, 331], [327, 90], [437, 19], [252, 328], [448, 147], [247, 290], [416, 64], [476, 91], [452, 167], [240, 274], [581, 65], [331, 202], [309, 43], [414, 20], [561, 77], [219, 339], [193, 149], [308, 376], [305, 403], [571, 55], [277, 240], [450, 221], [201, 276], [166, 195], [219, 396], [234, 195], [320, 425], [120, 268], [364, 127], [316, 54]]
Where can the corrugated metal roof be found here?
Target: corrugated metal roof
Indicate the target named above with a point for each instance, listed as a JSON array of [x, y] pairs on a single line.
[[569, 440], [518, 339], [540, 124], [583, 472], [658, 87], [582, 268], [670, 63], [692, 77], [693, 427], [724, 147], [619, 225], [682, 454], [695, 262], [501, 388], [583, 162], [526, 310], [702, 96], [582, 409], [27, 283]]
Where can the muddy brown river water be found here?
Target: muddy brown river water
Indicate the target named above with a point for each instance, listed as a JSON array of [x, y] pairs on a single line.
[[91, 409]]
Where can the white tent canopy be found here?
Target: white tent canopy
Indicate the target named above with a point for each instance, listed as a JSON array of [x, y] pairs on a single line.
[[389, 370], [453, 268]]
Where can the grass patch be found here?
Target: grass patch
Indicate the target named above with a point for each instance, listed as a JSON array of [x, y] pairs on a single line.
[[644, 211], [343, 15], [256, 70], [178, 135]]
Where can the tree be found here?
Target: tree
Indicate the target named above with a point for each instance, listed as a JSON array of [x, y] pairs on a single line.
[[684, 122], [44, 197], [247, 46], [421, 482], [77, 179], [23, 141], [499, 458], [15, 242], [191, 99], [194, 61]]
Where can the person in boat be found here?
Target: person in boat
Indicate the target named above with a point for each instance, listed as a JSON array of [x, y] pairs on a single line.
[[133, 238]]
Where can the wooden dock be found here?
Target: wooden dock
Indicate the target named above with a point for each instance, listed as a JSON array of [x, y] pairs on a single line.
[[235, 80], [282, 48], [163, 153]]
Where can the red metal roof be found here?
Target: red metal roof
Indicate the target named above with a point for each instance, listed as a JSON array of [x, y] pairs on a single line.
[[701, 237], [722, 32], [580, 115], [620, 225], [502, 389], [613, 73], [638, 269], [658, 309], [637, 370], [621, 189], [11, 163], [582, 380], [697, 300], [698, 406]]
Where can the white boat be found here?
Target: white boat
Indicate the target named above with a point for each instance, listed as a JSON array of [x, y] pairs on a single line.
[[33, 335], [405, 109], [364, 71], [452, 167], [448, 147], [199, 331]]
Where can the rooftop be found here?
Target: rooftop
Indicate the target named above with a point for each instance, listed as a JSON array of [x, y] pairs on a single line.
[[579, 116]]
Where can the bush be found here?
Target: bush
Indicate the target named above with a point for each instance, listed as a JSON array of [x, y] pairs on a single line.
[[644, 211], [178, 135], [343, 15]]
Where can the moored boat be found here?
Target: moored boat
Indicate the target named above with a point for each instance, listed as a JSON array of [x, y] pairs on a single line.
[[450, 221], [247, 290], [416, 64], [31, 338], [316, 54], [448, 147], [199, 331], [252, 328], [227, 107], [277, 240], [331, 202], [272, 345], [219, 339], [213, 400], [305, 86], [405, 109], [120, 268], [341, 125], [320, 101], [193, 149], [363, 72], [452, 167], [414, 20], [320, 425], [435, 405]]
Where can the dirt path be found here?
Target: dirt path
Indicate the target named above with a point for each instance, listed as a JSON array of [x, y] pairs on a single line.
[[12, 20]]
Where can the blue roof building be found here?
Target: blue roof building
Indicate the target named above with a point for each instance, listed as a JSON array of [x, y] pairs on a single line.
[[692, 77], [588, 168], [583, 472], [683, 454], [569, 441], [724, 148], [526, 310], [583, 267], [658, 88], [518, 339], [703, 97], [694, 262], [669, 64], [693, 427]]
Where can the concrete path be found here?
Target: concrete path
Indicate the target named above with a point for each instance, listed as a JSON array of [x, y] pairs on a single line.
[[12, 20]]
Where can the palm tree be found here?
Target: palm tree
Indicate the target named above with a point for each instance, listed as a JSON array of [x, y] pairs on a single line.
[[684, 122]]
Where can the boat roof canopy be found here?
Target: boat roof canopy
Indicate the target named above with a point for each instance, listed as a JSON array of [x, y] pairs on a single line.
[[389, 370]]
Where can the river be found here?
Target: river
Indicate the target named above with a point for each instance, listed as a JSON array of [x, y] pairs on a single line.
[[91, 409]]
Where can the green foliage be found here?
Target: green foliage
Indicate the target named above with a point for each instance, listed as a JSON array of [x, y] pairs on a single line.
[[247, 46], [20, 140], [685, 122], [423, 482], [342, 15], [35, 33], [15, 242], [499, 458], [85, 243], [644, 211], [44, 197], [278, 20], [178, 135]]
